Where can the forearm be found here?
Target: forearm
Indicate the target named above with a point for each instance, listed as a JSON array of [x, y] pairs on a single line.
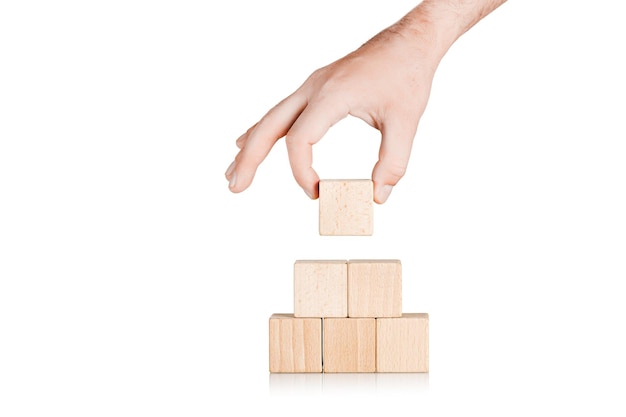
[[434, 25]]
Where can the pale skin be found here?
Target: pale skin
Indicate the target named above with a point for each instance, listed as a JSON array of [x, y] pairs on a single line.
[[386, 82]]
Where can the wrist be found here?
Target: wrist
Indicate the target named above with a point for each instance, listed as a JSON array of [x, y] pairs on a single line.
[[436, 25]]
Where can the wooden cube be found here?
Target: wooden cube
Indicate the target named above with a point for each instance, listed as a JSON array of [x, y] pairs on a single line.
[[402, 343], [346, 207], [295, 344], [349, 345], [374, 288], [320, 288]]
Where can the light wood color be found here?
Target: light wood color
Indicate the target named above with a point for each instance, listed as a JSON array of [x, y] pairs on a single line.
[[346, 207], [295, 344], [320, 288], [349, 345], [402, 343], [374, 288]]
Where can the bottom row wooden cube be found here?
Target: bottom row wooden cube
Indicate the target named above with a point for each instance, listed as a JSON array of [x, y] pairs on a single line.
[[402, 343], [295, 344], [349, 345], [398, 344]]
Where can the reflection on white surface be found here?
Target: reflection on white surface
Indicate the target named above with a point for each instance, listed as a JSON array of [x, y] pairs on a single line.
[[357, 383]]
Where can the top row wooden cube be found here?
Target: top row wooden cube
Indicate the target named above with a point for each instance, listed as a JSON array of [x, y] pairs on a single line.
[[346, 207]]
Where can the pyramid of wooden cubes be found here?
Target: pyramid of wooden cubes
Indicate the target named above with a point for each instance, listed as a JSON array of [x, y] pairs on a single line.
[[347, 314]]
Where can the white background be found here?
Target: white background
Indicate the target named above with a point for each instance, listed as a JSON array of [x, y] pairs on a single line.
[[132, 282]]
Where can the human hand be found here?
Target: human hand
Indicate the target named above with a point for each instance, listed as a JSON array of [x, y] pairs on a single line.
[[386, 83]]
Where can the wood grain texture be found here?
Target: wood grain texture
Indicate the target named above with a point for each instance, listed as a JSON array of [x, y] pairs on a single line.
[[320, 288], [295, 344], [346, 207], [349, 345], [402, 343], [374, 288]]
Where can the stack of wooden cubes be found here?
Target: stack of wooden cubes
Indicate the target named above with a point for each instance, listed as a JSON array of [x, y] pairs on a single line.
[[348, 313]]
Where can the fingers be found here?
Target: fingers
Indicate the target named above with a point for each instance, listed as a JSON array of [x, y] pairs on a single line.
[[393, 157], [303, 126], [241, 141], [308, 129], [257, 142]]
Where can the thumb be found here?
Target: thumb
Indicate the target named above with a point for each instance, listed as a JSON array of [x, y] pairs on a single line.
[[393, 158]]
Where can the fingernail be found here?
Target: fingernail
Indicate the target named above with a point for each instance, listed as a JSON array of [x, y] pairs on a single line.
[[308, 194], [230, 169], [383, 193], [233, 181]]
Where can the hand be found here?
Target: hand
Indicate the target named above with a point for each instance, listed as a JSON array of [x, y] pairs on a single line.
[[386, 83]]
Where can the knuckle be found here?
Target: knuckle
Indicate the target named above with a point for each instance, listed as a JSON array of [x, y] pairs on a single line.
[[395, 168], [291, 139]]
